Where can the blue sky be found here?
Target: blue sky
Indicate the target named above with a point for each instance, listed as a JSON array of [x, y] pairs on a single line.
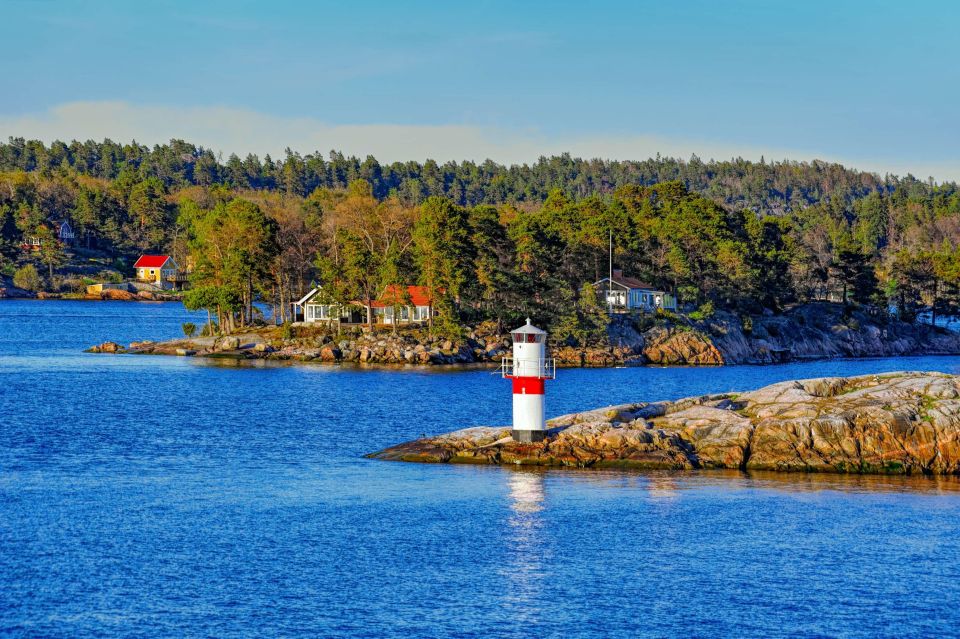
[[874, 85]]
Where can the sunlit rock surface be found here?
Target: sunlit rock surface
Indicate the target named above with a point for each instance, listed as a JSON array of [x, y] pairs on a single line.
[[895, 423]]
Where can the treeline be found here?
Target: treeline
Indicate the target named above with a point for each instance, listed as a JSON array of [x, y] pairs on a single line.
[[822, 232], [764, 187]]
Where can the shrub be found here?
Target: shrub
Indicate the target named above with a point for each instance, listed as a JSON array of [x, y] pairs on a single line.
[[26, 277], [663, 315], [189, 329], [69, 284], [209, 329], [704, 312], [110, 276], [286, 331]]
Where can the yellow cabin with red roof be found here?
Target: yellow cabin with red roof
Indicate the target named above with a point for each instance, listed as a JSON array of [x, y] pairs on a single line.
[[160, 270]]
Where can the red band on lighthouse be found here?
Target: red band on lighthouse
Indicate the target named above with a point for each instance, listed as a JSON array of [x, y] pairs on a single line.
[[528, 386]]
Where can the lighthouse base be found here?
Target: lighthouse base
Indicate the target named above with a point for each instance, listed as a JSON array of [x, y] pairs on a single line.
[[528, 436]]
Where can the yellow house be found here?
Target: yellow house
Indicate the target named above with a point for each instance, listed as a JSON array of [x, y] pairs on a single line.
[[160, 270]]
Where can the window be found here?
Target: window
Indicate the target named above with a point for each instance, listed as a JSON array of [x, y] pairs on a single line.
[[405, 313]]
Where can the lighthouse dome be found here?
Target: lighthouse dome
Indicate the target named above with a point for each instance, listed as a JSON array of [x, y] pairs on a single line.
[[529, 328]]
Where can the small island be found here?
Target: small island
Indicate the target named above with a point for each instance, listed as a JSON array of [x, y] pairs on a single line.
[[898, 423]]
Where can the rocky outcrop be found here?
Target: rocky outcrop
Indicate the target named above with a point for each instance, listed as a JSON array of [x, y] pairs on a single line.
[[12, 292], [822, 330], [116, 295], [666, 346], [898, 423]]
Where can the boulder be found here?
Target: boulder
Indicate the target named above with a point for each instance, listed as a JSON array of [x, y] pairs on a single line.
[[330, 353], [262, 347], [115, 294], [228, 343], [106, 347]]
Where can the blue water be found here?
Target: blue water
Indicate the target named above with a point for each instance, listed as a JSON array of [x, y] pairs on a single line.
[[171, 497]]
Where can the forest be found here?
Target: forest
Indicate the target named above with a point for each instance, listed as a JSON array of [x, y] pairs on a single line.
[[499, 242]]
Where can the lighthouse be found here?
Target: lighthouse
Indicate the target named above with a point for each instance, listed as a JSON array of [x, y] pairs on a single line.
[[528, 368]]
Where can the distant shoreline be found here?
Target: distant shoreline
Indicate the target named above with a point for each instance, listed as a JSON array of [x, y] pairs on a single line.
[[43, 296]]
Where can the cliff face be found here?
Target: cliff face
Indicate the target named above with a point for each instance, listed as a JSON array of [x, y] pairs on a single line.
[[809, 331], [816, 331], [896, 423]]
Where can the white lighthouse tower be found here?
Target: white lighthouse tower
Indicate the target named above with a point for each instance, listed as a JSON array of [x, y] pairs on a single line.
[[528, 368]]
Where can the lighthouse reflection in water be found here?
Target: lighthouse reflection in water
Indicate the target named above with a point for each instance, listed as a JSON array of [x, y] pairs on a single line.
[[528, 554]]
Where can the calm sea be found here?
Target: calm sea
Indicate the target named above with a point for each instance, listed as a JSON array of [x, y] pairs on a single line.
[[172, 497]]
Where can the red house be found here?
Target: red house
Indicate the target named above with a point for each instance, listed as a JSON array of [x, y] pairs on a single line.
[[403, 305]]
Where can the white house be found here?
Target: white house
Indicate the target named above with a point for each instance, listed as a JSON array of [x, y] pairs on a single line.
[[623, 293], [403, 305], [65, 232], [317, 306]]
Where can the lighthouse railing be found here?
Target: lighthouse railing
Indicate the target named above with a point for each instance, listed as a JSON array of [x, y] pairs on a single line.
[[544, 367]]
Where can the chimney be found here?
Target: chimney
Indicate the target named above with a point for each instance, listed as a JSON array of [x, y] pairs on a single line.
[[618, 272]]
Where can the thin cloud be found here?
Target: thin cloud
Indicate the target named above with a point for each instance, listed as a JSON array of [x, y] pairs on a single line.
[[230, 130]]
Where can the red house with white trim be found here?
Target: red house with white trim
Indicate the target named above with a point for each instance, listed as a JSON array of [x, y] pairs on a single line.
[[403, 305], [396, 305]]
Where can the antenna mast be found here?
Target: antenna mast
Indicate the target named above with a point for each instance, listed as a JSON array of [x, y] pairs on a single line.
[[610, 277]]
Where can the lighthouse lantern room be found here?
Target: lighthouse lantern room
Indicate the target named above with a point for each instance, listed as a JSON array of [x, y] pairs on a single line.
[[528, 368]]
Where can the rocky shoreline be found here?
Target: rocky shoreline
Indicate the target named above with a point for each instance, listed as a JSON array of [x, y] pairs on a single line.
[[404, 348], [806, 332], [898, 423], [108, 295]]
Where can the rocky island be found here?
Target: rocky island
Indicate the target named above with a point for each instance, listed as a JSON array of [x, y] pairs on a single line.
[[898, 423]]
